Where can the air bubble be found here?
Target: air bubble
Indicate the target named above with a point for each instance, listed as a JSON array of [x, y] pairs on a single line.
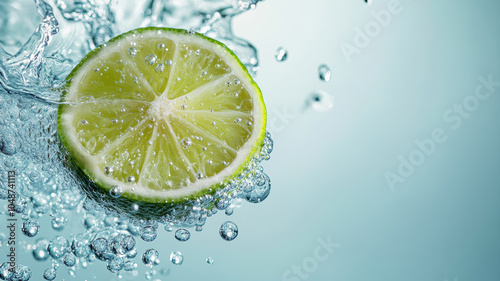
[[69, 260], [160, 68], [108, 170], [57, 247], [50, 274], [186, 142], [210, 261], [176, 258], [161, 46], [148, 233], [228, 231], [281, 54], [168, 62], [324, 72], [182, 234], [131, 179], [115, 191], [150, 59], [150, 257], [132, 51], [320, 101], [30, 228]]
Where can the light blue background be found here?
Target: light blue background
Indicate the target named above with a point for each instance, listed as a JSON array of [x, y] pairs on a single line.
[[327, 170]]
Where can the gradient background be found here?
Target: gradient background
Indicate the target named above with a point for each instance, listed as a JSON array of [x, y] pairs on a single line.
[[327, 169]]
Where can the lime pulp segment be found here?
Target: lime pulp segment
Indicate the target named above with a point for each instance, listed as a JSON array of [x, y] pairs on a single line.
[[162, 113]]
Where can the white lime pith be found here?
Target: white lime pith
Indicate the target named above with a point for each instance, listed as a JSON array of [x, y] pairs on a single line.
[[163, 114]]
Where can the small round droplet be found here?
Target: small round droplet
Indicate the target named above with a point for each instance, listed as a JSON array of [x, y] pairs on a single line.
[[160, 68], [161, 46], [99, 245], [128, 243], [210, 260], [116, 191], [50, 274], [57, 247], [320, 101], [228, 231], [324, 72], [132, 51], [69, 260], [108, 170], [281, 54], [115, 264], [150, 256], [150, 59], [114, 121], [168, 62], [96, 69], [148, 233], [176, 258], [30, 228], [83, 122], [182, 235], [131, 179], [186, 142]]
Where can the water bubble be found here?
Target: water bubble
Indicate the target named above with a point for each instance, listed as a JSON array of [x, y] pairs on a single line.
[[203, 73], [320, 101], [99, 245], [115, 264], [5, 273], [229, 211], [132, 51], [369, 2], [57, 247], [21, 273], [129, 266], [8, 145], [148, 233], [186, 142], [161, 46], [182, 234], [261, 189], [50, 273], [116, 191], [58, 222], [151, 257], [116, 244], [131, 179], [128, 243], [210, 260], [150, 59], [40, 251], [108, 170], [81, 249], [168, 227], [325, 74], [200, 176], [198, 228], [160, 68], [69, 260], [30, 228], [168, 62], [228, 231], [176, 258], [281, 54]]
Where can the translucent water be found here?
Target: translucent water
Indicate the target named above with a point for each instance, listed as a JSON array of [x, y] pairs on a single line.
[[35, 57]]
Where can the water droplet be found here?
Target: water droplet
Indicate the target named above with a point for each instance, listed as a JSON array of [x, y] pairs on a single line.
[[210, 260], [148, 233], [114, 121], [131, 179], [40, 251], [320, 101], [261, 189], [108, 170], [57, 247], [99, 245], [128, 243], [186, 142], [168, 62], [281, 54], [161, 46], [369, 2], [228, 231], [229, 211], [160, 68], [50, 273], [69, 260], [150, 59], [132, 51], [83, 122], [116, 191], [150, 257], [325, 74], [96, 69], [176, 258], [203, 73], [115, 264], [5, 272], [30, 228], [200, 176], [182, 234]]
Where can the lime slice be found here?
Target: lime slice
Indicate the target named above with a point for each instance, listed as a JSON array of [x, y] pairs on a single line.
[[161, 115]]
